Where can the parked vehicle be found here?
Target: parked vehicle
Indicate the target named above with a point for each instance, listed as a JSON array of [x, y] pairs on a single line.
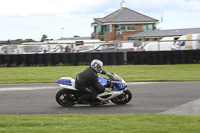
[[58, 46], [24, 49], [83, 48], [187, 42], [163, 45], [32, 49], [104, 48], [68, 96], [57, 49], [128, 44], [9, 49], [111, 47]]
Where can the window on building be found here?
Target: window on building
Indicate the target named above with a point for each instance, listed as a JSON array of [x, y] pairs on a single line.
[[130, 27], [99, 31], [95, 29], [117, 27], [110, 28], [120, 27], [123, 27], [147, 27], [107, 28]]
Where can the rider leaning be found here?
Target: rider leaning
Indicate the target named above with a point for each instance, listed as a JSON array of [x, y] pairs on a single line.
[[88, 83]]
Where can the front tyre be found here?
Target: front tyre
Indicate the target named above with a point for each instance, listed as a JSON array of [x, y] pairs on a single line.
[[124, 98], [65, 98]]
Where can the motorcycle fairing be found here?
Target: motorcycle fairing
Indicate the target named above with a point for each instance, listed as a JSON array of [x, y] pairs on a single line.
[[120, 84], [64, 81], [110, 95], [103, 81], [67, 82]]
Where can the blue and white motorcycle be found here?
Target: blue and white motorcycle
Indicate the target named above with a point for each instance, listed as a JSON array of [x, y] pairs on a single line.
[[68, 96]]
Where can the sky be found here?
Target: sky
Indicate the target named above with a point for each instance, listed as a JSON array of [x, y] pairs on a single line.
[[30, 19]]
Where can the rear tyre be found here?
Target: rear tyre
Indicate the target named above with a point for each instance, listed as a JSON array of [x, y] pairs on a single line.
[[65, 98], [124, 98]]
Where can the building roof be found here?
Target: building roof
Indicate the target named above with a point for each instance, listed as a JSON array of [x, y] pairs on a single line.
[[165, 33], [125, 15]]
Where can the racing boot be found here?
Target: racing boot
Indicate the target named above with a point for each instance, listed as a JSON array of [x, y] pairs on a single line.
[[83, 99]]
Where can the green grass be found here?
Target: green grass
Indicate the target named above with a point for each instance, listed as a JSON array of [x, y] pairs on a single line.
[[100, 123], [188, 72]]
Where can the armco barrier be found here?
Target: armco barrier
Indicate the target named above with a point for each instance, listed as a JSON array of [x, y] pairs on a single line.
[[108, 58]]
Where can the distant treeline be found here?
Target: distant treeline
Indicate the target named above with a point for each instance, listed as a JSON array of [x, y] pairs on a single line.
[[20, 41]]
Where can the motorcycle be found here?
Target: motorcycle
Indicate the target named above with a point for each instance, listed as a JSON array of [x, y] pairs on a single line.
[[68, 96]]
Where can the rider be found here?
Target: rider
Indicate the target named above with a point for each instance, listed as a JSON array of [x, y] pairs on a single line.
[[87, 81]]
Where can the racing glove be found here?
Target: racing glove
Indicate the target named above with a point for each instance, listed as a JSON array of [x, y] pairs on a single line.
[[103, 72], [108, 89], [109, 75]]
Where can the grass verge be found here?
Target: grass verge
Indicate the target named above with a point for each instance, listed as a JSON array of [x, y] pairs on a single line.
[[100, 123], [188, 72]]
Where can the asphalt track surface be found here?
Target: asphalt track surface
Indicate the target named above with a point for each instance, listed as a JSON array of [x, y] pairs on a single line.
[[148, 98]]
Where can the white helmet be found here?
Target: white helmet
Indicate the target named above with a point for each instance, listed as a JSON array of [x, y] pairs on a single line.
[[97, 65]]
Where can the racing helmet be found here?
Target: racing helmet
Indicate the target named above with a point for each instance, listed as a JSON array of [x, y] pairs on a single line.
[[97, 65]]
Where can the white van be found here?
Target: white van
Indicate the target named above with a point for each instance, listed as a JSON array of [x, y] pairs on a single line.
[[31, 49], [128, 44], [163, 45], [9, 49], [184, 43]]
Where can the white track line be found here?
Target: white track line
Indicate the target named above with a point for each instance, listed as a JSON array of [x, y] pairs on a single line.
[[140, 83], [25, 88]]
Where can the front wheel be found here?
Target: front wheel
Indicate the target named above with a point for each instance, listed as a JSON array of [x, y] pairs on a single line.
[[124, 98], [65, 98]]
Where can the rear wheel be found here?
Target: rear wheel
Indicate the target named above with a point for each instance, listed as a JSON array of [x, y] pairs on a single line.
[[124, 98], [65, 98]]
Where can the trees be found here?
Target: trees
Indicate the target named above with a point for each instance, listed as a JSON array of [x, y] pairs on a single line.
[[44, 38], [19, 41]]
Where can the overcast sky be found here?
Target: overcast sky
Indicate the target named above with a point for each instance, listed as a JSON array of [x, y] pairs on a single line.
[[30, 19]]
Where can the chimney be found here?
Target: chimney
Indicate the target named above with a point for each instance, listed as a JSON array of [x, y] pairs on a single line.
[[123, 4]]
